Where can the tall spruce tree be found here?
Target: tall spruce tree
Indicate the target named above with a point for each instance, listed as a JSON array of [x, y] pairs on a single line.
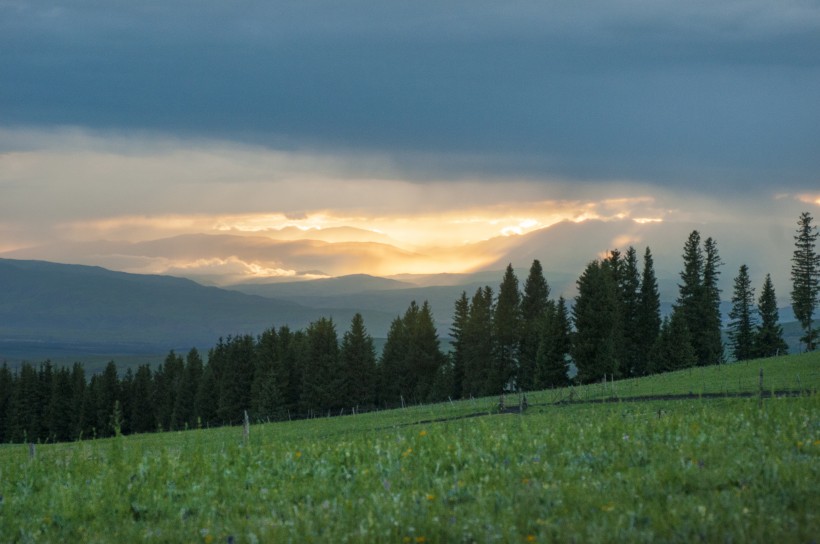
[[358, 365], [552, 366], [741, 324], [710, 347], [597, 315], [507, 328], [461, 315], [649, 315], [392, 375], [769, 335], [806, 278], [321, 379], [479, 340], [534, 305], [629, 282], [673, 348]]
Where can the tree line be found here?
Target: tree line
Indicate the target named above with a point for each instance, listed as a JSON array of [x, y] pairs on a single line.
[[512, 339]]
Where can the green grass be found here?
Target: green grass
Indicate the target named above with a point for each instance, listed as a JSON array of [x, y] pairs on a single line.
[[672, 471]]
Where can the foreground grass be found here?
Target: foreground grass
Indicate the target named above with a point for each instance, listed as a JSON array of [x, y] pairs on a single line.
[[675, 471]]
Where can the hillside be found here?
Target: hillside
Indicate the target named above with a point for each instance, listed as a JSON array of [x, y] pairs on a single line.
[[48, 308]]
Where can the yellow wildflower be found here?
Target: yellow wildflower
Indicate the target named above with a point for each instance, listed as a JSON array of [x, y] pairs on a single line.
[[423, 433], [530, 538], [431, 497], [298, 454], [608, 507]]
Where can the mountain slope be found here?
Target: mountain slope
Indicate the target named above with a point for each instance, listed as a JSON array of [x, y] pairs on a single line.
[[58, 304]]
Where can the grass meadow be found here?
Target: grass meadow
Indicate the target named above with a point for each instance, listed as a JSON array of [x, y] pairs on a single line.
[[672, 470]]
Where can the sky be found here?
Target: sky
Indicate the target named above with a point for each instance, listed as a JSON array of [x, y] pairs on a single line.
[[417, 129]]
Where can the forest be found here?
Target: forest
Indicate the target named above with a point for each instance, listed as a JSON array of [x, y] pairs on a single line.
[[504, 340]]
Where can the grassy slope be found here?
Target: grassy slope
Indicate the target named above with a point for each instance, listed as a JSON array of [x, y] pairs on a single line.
[[712, 470]]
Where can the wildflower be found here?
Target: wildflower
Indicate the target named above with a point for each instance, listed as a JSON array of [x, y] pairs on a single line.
[[421, 539], [407, 452], [530, 538], [423, 433], [298, 454], [431, 497], [525, 481], [208, 539], [608, 507]]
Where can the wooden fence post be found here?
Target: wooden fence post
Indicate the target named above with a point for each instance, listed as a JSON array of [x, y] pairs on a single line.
[[246, 431]]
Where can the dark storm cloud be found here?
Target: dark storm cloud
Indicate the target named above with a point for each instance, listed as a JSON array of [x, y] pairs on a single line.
[[661, 92]]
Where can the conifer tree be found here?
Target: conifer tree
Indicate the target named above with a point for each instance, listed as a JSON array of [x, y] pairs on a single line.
[[741, 326], [60, 405], [187, 386], [769, 335], [391, 365], [649, 315], [358, 365], [267, 396], [507, 329], [552, 366], [597, 315], [690, 290], [806, 278], [321, 379], [630, 285], [479, 345], [143, 417], [534, 305], [458, 329], [673, 348], [710, 347], [237, 379], [5, 398]]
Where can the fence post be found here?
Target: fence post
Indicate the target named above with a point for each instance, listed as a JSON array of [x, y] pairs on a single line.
[[760, 402], [32, 451], [246, 430]]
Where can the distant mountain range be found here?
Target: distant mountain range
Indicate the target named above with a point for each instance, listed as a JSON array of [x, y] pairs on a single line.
[[74, 310]]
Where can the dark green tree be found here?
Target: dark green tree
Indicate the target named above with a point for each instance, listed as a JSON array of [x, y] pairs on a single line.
[[107, 395], [507, 329], [673, 348], [237, 379], [742, 319], [769, 335], [6, 384], [60, 406], [534, 305], [596, 315], [649, 315], [479, 340], [184, 415], [629, 283], [143, 417], [392, 373], [458, 329], [806, 278], [358, 365], [709, 346], [322, 380], [552, 364]]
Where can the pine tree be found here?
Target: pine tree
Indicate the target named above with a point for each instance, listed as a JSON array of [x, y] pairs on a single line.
[[237, 379], [710, 350], [458, 329], [741, 326], [6, 383], [769, 336], [188, 384], [143, 418], [507, 328], [392, 375], [479, 343], [552, 366], [267, 395], [533, 313], [630, 285], [107, 395], [358, 365], [690, 290], [321, 379], [60, 405], [649, 315], [673, 348], [806, 278], [597, 315]]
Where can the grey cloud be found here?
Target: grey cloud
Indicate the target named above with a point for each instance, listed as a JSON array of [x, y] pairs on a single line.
[[672, 92]]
